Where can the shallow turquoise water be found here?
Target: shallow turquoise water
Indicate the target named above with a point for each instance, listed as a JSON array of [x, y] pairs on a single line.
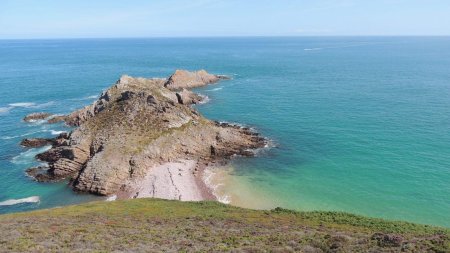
[[359, 124]]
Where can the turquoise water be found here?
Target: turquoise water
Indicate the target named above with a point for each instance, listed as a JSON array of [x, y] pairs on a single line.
[[359, 124]]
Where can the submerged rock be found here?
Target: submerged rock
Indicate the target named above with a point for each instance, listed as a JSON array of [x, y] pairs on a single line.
[[37, 116], [136, 124], [41, 174]]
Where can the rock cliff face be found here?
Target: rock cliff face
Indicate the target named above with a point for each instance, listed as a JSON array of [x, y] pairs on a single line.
[[135, 125]]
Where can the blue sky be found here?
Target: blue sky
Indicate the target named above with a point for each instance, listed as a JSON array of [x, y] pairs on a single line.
[[190, 18]]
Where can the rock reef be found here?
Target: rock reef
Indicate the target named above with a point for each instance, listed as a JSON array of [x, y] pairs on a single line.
[[36, 116], [135, 128]]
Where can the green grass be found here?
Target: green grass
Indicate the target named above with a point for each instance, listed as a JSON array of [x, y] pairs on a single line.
[[162, 225]]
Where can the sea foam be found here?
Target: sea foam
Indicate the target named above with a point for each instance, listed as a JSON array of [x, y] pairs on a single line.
[[208, 176], [4, 110], [27, 157], [216, 89], [54, 132], [23, 104], [10, 202]]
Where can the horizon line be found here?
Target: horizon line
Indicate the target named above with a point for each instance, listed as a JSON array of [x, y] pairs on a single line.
[[219, 36]]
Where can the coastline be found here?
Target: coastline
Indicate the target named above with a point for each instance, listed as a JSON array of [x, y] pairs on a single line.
[[142, 138]]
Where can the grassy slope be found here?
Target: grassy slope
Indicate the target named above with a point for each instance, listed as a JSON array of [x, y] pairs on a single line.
[[154, 225]]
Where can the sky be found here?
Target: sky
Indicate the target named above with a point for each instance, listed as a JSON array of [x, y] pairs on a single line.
[[29, 19]]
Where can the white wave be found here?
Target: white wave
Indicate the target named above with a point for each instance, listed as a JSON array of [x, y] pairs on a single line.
[[37, 121], [208, 175], [85, 98], [216, 89], [44, 104], [111, 198], [10, 202], [236, 124], [205, 99], [313, 49], [23, 104], [28, 156], [54, 132], [22, 135], [4, 110]]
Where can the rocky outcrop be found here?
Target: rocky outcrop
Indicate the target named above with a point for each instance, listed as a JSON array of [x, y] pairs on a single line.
[[56, 119], [40, 142], [50, 118], [36, 142], [186, 79], [36, 116], [40, 174], [135, 125], [187, 97]]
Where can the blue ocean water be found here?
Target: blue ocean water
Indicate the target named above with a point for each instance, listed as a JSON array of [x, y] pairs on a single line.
[[360, 124]]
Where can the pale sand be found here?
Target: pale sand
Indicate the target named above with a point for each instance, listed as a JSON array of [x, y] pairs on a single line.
[[179, 180]]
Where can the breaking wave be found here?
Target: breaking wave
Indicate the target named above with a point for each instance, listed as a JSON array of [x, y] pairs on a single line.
[[5, 110], [205, 99], [216, 89], [24, 104], [85, 98], [10, 202], [18, 136], [313, 49], [54, 132], [27, 157], [208, 176]]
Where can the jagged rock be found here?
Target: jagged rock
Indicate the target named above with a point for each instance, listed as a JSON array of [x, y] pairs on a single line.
[[186, 79], [136, 124], [36, 142], [36, 116], [56, 119], [61, 140], [40, 174], [187, 97]]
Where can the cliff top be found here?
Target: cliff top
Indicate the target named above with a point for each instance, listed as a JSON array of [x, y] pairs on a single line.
[[152, 224]]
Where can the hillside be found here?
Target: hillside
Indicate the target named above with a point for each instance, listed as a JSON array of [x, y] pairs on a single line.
[[163, 225]]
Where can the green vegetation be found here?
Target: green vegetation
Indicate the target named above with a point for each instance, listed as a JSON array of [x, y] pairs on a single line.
[[162, 225]]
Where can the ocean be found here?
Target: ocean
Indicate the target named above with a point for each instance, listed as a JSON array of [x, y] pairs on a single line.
[[357, 124]]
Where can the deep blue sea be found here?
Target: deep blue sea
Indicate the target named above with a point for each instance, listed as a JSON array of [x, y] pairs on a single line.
[[359, 124]]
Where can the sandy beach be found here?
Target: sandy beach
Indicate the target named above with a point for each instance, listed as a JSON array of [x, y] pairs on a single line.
[[179, 180]]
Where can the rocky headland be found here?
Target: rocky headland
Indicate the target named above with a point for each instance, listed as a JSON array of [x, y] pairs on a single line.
[[142, 138]]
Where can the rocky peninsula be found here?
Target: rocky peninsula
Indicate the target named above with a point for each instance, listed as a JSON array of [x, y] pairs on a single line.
[[142, 138]]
